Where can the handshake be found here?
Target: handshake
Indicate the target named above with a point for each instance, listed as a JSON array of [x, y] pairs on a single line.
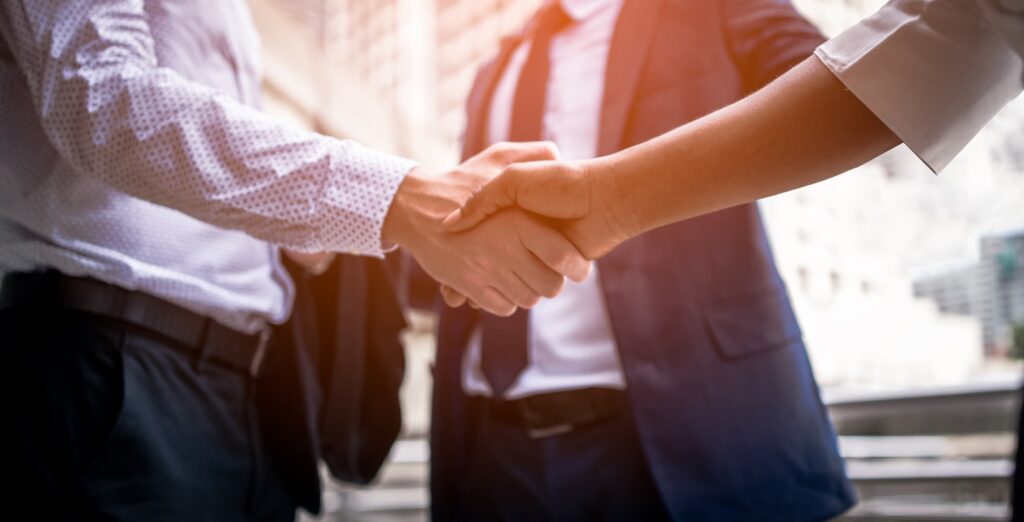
[[504, 228]]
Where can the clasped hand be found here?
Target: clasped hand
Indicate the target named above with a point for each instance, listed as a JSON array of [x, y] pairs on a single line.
[[509, 261], [574, 197], [503, 229]]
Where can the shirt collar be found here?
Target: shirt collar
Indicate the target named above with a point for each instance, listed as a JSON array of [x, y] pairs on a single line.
[[580, 10]]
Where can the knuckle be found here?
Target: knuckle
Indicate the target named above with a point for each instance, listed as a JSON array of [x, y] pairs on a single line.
[[513, 171], [480, 265], [565, 261], [503, 151]]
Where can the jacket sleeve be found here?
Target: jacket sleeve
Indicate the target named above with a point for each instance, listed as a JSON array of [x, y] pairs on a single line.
[[112, 112], [767, 38]]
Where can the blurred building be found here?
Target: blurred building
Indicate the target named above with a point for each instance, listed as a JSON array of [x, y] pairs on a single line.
[[850, 248], [389, 73], [839, 252], [991, 289], [954, 289], [1002, 285]]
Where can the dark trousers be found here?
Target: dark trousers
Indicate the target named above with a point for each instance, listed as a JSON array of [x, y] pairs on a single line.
[[104, 421], [594, 473]]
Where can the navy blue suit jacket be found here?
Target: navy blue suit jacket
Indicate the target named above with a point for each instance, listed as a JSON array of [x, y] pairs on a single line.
[[726, 406]]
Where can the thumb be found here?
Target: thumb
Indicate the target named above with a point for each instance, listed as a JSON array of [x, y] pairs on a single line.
[[531, 151], [493, 196]]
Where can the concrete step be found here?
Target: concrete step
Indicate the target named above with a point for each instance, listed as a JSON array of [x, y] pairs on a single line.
[[983, 446], [923, 482], [941, 512]]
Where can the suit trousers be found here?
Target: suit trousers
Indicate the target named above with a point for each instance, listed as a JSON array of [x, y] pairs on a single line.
[[595, 473], [105, 421]]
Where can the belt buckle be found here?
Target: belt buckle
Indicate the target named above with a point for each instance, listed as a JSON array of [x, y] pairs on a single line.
[[534, 422], [550, 431], [261, 351]]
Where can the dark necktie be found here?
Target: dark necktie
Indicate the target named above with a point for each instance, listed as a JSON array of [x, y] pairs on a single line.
[[504, 345]]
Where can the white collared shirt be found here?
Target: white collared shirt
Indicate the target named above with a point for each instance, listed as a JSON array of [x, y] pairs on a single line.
[[130, 152], [934, 71], [570, 342]]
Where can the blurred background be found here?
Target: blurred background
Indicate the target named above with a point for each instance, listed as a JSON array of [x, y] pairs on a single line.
[[909, 287]]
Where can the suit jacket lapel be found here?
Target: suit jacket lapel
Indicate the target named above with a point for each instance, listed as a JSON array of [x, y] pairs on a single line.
[[478, 105], [626, 58], [632, 39]]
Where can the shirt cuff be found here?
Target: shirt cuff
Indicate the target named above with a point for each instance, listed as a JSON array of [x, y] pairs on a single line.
[[356, 198], [933, 72]]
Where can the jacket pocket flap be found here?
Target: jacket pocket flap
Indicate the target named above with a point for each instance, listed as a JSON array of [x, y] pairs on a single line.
[[755, 325]]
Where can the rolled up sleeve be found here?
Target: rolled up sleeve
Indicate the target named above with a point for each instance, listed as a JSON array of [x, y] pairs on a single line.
[[934, 71]]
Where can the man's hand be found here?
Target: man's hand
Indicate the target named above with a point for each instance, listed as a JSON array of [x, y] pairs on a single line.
[[544, 247], [573, 192], [508, 264], [315, 263]]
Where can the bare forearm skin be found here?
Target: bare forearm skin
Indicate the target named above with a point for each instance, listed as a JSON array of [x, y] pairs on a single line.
[[803, 128]]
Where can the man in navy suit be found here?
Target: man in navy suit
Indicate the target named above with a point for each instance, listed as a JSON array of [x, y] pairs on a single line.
[[673, 383]]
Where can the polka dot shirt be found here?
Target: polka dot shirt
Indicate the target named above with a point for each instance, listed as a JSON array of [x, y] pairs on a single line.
[[131, 151]]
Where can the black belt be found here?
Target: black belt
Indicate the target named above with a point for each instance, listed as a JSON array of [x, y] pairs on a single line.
[[204, 337], [559, 412]]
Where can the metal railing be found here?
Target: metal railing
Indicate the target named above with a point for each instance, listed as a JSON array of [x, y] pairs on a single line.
[[940, 455]]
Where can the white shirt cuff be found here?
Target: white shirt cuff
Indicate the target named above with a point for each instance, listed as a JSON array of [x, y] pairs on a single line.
[[356, 198], [933, 71]]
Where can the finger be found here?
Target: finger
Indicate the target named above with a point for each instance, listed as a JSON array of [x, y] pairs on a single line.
[[557, 252], [451, 297], [495, 195], [530, 151], [537, 275], [506, 284], [516, 290], [548, 188], [491, 300], [315, 263]]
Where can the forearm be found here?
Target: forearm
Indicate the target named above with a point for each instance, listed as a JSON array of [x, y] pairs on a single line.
[[803, 128], [114, 114]]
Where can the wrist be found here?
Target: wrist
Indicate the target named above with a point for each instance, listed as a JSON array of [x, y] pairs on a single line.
[[613, 195], [398, 226]]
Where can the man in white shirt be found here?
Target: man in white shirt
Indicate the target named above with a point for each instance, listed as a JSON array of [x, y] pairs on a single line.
[[659, 388], [141, 196]]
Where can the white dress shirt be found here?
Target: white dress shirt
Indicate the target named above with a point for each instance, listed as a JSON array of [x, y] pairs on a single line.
[[934, 71], [570, 341], [130, 152]]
